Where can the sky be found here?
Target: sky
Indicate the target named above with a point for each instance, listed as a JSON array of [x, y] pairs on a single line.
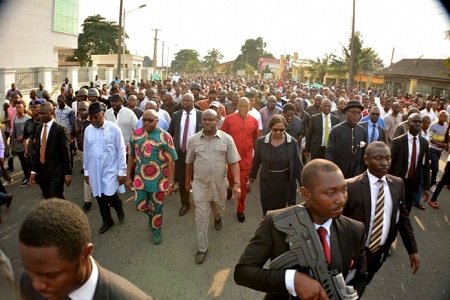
[[311, 28]]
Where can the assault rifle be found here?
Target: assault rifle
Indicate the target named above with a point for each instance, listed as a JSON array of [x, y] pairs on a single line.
[[305, 249]]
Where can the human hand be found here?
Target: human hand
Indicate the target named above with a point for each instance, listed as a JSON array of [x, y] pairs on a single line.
[[86, 179], [252, 180], [188, 186], [121, 179], [129, 184], [67, 180], [414, 262], [427, 194], [33, 179], [308, 288], [236, 192]]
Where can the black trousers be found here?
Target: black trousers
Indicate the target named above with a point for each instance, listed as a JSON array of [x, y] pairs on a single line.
[[24, 162], [409, 195], [320, 153], [374, 261], [52, 185], [104, 202], [180, 174]]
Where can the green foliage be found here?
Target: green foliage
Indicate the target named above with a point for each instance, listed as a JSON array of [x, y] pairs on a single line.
[[148, 62], [212, 59], [186, 60], [98, 37], [251, 51], [366, 60], [319, 68]]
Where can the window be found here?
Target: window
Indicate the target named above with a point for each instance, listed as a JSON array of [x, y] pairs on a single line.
[[66, 16]]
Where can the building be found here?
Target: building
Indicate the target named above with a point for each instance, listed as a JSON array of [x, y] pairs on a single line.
[[426, 76]]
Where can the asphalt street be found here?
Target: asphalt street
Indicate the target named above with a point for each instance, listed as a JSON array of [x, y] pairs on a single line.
[[168, 271]]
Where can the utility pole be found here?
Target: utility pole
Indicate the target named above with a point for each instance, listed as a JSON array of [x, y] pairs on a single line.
[[155, 48], [352, 53], [119, 44], [162, 55], [392, 56]]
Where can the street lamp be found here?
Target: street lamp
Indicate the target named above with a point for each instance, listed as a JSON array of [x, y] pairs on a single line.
[[123, 36]]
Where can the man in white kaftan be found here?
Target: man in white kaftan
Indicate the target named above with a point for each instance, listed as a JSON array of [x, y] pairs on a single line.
[[104, 164]]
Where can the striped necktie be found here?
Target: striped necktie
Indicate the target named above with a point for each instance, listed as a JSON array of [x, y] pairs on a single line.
[[372, 137], [377, 227]]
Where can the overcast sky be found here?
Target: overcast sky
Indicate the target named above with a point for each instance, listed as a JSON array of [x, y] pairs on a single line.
[[311, 28]]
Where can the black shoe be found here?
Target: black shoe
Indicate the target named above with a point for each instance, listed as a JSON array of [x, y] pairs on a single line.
[[200, 257], [241, 217], [183, 210], [105, 228], [8, 202], [120, 215], [419, 206], [218, 224], [229, 194], [87, 206]]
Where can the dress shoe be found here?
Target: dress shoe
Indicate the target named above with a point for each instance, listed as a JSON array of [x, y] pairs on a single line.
[[241, 217], [87, 206], [8, 202], [418, 205], [218, 224], [120, 215], [156, 238], [200, 257], [183, 210], [105, 228], [229, 194]]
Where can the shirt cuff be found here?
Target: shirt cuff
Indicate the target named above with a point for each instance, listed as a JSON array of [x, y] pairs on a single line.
[[289, 281], [122, 172], [86, 173], [33, 172]]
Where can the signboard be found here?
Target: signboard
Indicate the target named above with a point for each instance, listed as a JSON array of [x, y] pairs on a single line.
[[273, 63]]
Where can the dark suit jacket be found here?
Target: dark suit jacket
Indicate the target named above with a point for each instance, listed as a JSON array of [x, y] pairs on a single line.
[[262, 156], [399, 158], [174, 127], [314, 135], [358, 207], [347, 244], [382, 136], [57, 152], [110, 286]]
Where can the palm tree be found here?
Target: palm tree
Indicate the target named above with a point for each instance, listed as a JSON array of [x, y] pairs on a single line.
[[318, 69], [212, 59]]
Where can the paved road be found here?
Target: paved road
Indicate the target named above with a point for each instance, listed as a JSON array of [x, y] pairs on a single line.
[[168, 271]]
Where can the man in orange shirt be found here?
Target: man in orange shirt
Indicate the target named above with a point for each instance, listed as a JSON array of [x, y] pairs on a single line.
[[212, 96], [243, 128]]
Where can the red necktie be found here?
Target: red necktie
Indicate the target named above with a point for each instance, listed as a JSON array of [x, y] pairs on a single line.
[[185, 132], [412, 165], [323, 239]]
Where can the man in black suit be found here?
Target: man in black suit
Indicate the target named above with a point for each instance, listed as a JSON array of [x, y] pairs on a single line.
[[402, 149], [374, 132], [51, 155], [316, 139], [362, 205], [181, 130], [324, 190], [55, 248]]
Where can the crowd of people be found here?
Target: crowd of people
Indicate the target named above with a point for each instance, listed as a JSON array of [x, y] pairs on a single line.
[[212, 136]]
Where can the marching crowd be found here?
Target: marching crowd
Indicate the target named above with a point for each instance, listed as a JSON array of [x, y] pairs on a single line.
[[212, 136]]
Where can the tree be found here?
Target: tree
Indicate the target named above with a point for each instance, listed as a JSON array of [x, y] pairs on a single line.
[[366, 60], [212, 59], [148, 62], [98, 37], [318, 69], [251, 51], [186, 60], [338, 67]]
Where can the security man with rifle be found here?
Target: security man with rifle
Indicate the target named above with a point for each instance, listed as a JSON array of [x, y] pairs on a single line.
[[315, 252]]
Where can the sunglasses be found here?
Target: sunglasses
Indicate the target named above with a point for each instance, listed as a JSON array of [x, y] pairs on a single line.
[[278, 130]]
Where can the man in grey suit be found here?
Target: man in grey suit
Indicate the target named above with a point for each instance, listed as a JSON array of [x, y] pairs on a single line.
[[56, 254]]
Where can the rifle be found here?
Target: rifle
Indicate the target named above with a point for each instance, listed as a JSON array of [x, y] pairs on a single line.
[[305, 249]]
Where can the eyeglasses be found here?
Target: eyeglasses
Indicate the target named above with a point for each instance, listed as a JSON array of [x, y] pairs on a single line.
[[278, 130], [149, 120]]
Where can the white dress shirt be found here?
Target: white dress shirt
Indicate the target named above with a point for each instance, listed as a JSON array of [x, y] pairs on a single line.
[[126, 120], [49, 125], [192, 124], [387, 210], [87, 290], [410, 144], [323, 127]]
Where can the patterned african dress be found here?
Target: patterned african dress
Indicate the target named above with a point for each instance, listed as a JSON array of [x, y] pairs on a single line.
[[152, 151]]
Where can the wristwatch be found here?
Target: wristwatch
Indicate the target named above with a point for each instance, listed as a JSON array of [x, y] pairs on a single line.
[[238, 183]]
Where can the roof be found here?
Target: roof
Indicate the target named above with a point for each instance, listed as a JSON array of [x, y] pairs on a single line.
[[431, 68]]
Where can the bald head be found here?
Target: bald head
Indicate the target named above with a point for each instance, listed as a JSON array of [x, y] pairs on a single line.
[[209, 114], [151, 105], [150, 113], [243, 100]]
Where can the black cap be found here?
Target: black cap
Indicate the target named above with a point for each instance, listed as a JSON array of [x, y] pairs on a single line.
[[353, 103], [94, 108]]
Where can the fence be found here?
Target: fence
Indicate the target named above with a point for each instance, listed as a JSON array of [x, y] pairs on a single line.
[[58, 76], [26, 78]]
